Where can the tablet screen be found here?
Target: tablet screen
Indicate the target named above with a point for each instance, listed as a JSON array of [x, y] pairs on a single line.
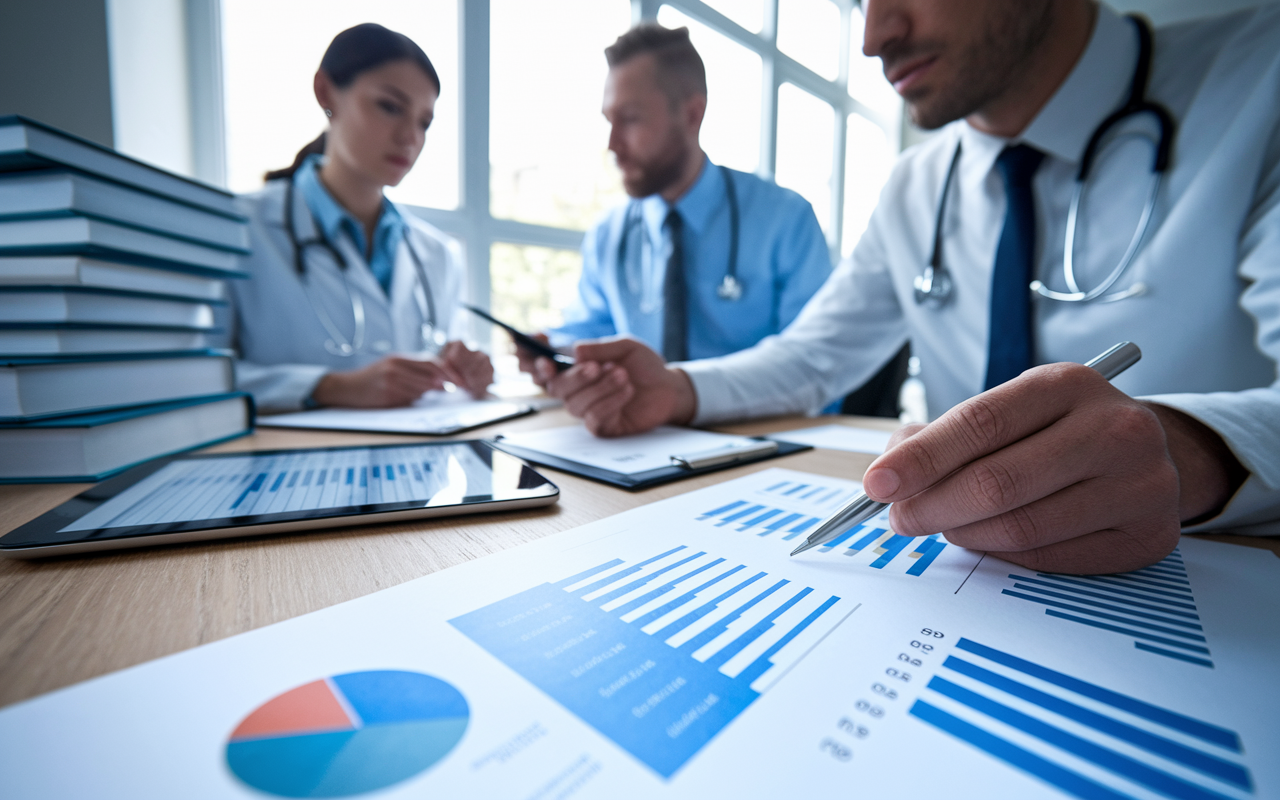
[[243, 489]]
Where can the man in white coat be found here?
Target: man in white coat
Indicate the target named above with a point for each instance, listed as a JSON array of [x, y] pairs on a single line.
[[1031, 457]]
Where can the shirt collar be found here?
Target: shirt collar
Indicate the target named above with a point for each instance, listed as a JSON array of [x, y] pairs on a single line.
[[333, 219], [1096, 86], [695, 206]]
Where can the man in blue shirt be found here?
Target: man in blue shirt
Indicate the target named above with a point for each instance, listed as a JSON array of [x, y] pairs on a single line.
[[704, 261]]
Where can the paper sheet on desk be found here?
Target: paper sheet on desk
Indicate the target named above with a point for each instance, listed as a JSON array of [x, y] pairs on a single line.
[[628, 455], [838, 437], [434, 412], [675, 651]]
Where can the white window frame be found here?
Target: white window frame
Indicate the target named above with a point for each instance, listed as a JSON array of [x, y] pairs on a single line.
[[472, 222]]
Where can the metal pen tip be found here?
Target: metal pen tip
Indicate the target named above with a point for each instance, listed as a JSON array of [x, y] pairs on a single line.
[[804, 546]]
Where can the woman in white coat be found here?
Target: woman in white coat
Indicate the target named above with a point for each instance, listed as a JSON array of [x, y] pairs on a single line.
[[350, 301]]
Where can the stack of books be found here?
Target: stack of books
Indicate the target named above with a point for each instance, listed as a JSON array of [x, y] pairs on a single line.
[[109, 273]]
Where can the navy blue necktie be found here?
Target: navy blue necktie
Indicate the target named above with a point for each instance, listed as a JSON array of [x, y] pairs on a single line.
[[1011, 350], [675, 323]]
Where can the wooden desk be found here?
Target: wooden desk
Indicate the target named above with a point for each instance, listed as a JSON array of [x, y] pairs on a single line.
[[68, 619]]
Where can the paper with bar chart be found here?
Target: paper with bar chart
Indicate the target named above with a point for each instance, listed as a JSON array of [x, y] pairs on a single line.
[[676, 650], [786, 511]]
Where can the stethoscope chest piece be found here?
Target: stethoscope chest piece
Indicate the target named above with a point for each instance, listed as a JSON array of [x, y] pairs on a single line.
[[730, 288], [933, 287]]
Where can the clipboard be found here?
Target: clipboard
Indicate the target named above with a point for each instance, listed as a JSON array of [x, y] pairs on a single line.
[[653, 477]]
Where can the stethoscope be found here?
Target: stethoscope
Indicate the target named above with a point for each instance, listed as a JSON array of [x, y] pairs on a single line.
[[338, 344], [934, 287], [730, 287]]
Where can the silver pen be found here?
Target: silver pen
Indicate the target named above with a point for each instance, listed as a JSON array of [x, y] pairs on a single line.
[[862, 508]]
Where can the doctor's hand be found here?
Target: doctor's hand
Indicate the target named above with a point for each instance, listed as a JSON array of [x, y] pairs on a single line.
[[529, 359], [471, 369], [390, 382], [619, 387], [1057, 471]]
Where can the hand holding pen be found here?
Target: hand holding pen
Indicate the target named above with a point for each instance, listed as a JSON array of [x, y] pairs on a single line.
[[1055, 470]]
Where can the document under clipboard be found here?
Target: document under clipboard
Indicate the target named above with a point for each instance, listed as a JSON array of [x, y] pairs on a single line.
[[638, 462]]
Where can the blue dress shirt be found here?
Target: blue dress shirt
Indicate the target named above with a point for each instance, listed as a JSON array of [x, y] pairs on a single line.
[[335, 220], [782, 260]]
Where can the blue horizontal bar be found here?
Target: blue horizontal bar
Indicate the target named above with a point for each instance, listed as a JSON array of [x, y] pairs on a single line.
[[740, 514], [671, 605], [777, 486], [674, 627], [1187, 756], [801, 528], [780, 523], [603, 582], [925, 560], [1028, 588], [842, 538], [796, 488], [1109, 581], [1180, 656], [894, 545], [1161, 716], [762, 664], [582, 576], [1030, 763], [723, 509], [1128, 632], [1102, 615], [862, 543], [751, 523], [638, 582], [1111, 597], [1118, 763], [1147, 597]]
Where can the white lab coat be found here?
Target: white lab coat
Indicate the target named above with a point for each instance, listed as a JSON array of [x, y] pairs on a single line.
[[1209, 322], [272, 321]]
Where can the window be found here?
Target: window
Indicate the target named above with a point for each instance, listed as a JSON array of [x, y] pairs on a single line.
[[271, 52], [519, 167]]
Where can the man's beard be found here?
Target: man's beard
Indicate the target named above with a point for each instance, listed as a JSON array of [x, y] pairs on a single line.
[[985, 69], [660, 174]]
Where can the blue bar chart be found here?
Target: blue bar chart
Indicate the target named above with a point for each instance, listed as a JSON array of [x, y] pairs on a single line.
[[660, 654], [1154, 606], [224, 488], [1084, 739], [789, 510]]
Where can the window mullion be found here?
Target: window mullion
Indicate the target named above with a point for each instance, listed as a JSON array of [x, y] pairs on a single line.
[[473, 46]]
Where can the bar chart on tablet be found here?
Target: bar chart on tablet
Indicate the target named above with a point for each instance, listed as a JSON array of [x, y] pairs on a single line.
[[269, 483]]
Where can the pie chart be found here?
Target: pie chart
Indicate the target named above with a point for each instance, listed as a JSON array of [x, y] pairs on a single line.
[[348, 734]]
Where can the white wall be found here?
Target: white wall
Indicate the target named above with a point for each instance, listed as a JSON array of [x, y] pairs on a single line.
[[150, 83]]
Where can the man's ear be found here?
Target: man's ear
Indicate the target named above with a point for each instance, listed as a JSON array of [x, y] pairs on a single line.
[[694, 109]]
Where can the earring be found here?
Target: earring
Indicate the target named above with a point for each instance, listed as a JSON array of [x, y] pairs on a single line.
[[328, 112]]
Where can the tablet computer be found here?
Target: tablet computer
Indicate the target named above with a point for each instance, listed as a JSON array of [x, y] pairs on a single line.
[[193, 497]]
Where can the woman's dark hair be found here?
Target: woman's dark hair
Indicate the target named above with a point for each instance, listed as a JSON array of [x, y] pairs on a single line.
[[352, 52]]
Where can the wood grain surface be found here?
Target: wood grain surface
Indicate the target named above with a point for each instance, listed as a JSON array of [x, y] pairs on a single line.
[[65, 620]]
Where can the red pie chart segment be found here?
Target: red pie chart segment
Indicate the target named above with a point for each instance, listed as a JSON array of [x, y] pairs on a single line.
[[347, 735], [310, 708]]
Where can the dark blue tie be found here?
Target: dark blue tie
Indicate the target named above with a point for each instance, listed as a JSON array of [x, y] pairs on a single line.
[[1011, 350], [675, 322]]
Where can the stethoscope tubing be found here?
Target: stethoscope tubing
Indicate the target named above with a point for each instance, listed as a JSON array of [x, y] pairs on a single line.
[[341, 345], [933, 287], [730, 287]]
